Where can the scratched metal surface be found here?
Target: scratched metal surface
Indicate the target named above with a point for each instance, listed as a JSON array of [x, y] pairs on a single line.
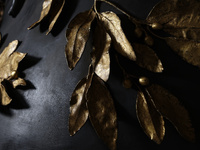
[[37, 118]]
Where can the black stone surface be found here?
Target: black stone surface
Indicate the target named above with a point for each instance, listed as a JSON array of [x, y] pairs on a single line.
[[37, 118]]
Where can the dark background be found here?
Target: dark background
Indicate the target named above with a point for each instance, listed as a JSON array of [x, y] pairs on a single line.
[[37, 118]]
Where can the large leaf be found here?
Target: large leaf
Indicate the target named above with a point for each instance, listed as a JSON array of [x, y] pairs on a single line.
[[180, 18], [147, 58], [9, 61], [150, 119], [77, 35], [169, 106], [112, 25], [100, 54], [102, 112], [189, 50], [78, 109]]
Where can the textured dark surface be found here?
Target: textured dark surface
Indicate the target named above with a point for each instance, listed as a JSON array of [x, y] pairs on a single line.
[[37, 118]]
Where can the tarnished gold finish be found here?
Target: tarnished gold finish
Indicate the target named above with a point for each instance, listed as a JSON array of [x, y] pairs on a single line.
[[189, 50], [112, 24], [102, 112], [100, 54], [169, 106], [138, 32], [149, 40], [1, 10], [150, 119], [78, 109], [144, 81], [180, 18], [9, 61], [51, 8], [147, 58], [156, 26], [77, 35]]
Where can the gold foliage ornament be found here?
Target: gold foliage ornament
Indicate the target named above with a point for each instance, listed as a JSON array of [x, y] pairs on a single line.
[[9, 60], [51, 9], [91, 98]]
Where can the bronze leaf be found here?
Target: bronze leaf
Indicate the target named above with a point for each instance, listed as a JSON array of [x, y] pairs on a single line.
[[150, 119], [179, 18], [102, 112], [77, 35], [51, 8], [78, 109], [189, 50], [112, 25], [100, 53], [19, 82], [147, 58], [9, 61], [169, 106]]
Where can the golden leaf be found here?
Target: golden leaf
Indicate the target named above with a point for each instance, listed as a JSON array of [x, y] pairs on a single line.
[[112, 25], [53, 8], [18, 82], [180, 18], [77, 35], [78, 109], [102, 112], [150, 119], [189, 50], [147, 58], [169, 106], [100, 54], [9, 61]]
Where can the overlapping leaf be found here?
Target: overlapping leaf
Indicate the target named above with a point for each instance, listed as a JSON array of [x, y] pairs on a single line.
[[51, 8], [77, 35], [102, 112], [9, 61], [169, 106], [147, 58], [150, 119], [112, 25], [100, 54]]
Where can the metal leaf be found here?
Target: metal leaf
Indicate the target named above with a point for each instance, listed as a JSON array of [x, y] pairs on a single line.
[[77, 35], [78, 109], [19, 82], [102, 112], [150, 119], [100, 54], [9, 61], [189, 50], [180, 18], [112, 25], [147, 58], [51, 8], [169, 106]]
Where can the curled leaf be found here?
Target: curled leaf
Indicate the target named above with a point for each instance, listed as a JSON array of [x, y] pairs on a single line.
[[169, 106], [150, 119], [147, 58], [189, 50], [102, 112], [77, 35], [18, 82], [179, 18], [9, 61], [78, 109], [112, 25], [51, 8], [100, 55]]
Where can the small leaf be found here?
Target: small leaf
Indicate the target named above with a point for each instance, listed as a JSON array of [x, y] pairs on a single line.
[[19, 82], [169, 106], [78, 109], [100, 54], [45, 11], [102, 112], [112, 25], [147, 58], [150, 119], [9, 61], [77, 35], [189, 50], [179, 18]]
